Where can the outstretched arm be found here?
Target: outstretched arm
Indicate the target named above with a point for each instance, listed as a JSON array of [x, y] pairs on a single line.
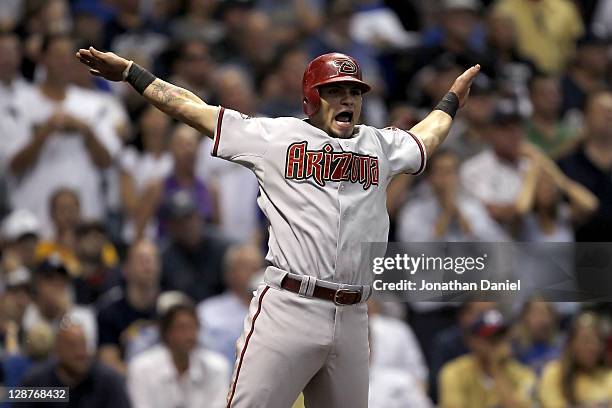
[[435, 127], [177, 102]]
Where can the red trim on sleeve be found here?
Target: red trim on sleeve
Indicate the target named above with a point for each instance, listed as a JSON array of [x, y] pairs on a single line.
[[422, 149], [218, 132], [246, 344]]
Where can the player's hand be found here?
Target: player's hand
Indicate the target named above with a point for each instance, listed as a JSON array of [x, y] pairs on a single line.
[[103, 64], [461, 86]]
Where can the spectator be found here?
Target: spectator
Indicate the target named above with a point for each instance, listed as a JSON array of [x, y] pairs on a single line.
[[222, 316], [552, 219], [335, 36], [128, 30], [283, 86], [545, 128], [141, 173], [546, 38], [36, 349], [236, 185], [428, 84], [458, 36], [378, 26], [184, 147], [235, 90], [512, 71], [21, 235], [395, 346], [389, 385], [193, 258], [444, 212], [91, 384], [488, 376], [585, 75], [175, 372], [590, 165], [232, 14], [126, 311], [52, 302], [536, 338], [579, 377], [451, 342], [500, 176], [293, 20], [15, 300], [472, 125], [193, 68], [70, 141], [98, 263], [255, 47], [12, 88], [65, 212], [198, 23], [393, 388], [89, 20]]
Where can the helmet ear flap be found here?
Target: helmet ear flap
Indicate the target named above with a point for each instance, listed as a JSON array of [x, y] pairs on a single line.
[[312, 101]]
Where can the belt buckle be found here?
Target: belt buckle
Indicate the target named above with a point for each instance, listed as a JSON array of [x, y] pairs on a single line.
[[342, 291]]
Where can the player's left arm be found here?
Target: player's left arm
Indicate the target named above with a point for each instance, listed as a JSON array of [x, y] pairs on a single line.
[[435, 127]]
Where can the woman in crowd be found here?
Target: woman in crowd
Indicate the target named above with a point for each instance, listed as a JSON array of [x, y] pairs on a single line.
[[579, 378], [536, 339]]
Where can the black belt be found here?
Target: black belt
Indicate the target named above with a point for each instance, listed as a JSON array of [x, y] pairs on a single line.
[[338, 296]]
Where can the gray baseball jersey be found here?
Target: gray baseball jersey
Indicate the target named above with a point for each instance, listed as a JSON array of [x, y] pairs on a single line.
[[324, 196]]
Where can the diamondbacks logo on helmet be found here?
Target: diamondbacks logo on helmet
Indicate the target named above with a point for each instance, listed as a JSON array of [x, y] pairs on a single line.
[[346, 66]]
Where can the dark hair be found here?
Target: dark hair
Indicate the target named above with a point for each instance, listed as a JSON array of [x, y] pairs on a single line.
[[50, 38], [537, 77], [58, 193], [167, 318], [569, 368], [440, 152]]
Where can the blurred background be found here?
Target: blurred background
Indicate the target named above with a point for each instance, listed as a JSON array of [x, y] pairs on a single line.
[[129, 254]]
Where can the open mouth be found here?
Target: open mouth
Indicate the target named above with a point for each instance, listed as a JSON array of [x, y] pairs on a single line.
[[344, 118]]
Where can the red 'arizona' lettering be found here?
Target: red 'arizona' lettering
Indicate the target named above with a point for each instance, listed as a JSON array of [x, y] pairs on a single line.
[[326, 165]]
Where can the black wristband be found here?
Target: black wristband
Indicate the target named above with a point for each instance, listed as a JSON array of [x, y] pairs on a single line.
[[449, 104], [139, 78]]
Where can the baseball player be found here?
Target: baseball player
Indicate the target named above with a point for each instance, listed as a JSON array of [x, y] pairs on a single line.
[[323, 185]]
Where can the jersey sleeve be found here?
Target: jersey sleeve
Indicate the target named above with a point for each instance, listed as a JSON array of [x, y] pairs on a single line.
[[240, 138], [404, 150]]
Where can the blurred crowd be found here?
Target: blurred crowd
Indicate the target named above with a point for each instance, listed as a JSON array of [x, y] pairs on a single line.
[[129, 254]]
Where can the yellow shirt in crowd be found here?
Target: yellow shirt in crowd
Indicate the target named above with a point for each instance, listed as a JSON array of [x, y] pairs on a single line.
[[464, 385], [546, 30], [45, 249], [590, 389]]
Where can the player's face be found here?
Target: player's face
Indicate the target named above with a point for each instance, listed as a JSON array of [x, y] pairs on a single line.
[[340, 109]]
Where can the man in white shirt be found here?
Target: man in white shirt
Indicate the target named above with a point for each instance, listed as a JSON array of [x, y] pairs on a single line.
[[444, 212], [501, 177], [12, 88], [69, 142], [222, 316], [53, 304], [176, 373], [394, 346]]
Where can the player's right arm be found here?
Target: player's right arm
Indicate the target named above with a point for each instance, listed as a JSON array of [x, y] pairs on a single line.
[[175, 101]]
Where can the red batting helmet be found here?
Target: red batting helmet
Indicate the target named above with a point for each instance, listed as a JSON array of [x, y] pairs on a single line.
[[325, 69]]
